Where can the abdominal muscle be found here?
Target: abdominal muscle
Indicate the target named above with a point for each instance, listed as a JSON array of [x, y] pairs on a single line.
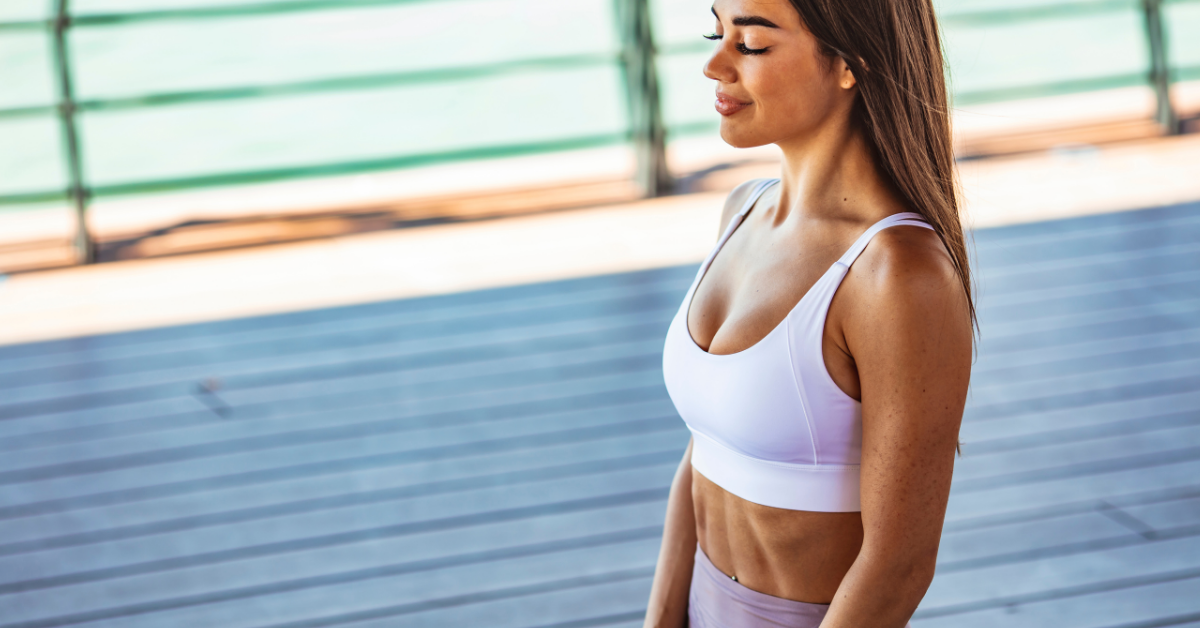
[[793, 554]]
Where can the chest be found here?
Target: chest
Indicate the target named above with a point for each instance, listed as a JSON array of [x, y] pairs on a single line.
[[754, 281]]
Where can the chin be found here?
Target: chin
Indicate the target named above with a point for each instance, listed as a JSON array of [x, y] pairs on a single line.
[[740, 137]]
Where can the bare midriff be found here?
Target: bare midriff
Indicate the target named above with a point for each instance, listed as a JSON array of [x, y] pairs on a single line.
[[793, 554]]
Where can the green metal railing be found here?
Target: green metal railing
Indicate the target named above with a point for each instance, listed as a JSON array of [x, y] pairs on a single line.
[[636, 58]]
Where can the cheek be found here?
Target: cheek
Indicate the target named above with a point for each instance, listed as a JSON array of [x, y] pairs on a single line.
[[790, 90]]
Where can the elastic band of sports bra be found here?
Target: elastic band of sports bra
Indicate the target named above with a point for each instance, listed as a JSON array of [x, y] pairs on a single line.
[[819, 488]]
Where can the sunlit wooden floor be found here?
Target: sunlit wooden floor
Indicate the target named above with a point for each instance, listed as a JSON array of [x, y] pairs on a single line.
[[501, 457]]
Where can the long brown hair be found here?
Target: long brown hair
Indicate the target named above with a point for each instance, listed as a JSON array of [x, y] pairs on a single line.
[[894, 50]]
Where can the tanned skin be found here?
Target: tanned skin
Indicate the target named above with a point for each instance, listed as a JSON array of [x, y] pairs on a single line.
[[898, 338]]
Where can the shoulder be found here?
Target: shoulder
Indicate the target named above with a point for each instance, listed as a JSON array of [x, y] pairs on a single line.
[[737, 198], [906, 276], [902, 259]]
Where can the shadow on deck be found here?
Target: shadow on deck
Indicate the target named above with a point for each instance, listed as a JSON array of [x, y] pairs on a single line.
[[502, 457]]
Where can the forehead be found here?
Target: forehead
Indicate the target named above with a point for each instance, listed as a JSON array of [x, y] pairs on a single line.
[[781, 12]]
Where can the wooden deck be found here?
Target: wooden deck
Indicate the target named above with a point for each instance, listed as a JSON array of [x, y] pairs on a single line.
[[501, 458]]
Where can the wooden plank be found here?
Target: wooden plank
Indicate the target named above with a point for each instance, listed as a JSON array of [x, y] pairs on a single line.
[[1146, 295], [333, 527], [402, 563], [1053, 531], [1077, 391], [1159, 275], [1079, 357], [1082, 243], [182, 510], [1048, 230], [42, 399], [1109, 420], [966, 590], [1085, 503], [1000, 497], [44, 429], [536, 573], [388, 387], [582, 602], [411, 336], [1121, 324], [326, 320], [1169, 514], [359, 448], [1131, 265], [998, 248], [1026, 466], [605, 366], [1169, 603], [970, 548]]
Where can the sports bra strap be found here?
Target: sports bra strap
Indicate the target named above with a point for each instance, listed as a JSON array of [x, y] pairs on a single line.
[[910, 219], [758, 191]]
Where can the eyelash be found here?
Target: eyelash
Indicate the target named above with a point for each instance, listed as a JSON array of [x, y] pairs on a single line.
[[740, 47]]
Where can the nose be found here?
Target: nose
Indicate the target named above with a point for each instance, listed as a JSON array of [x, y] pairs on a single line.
[[718, 67]]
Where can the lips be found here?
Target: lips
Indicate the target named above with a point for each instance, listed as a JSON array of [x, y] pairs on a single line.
[[727, 105]]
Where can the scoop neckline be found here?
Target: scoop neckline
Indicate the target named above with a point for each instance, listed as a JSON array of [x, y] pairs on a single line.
[[740, 218], [691, 296]]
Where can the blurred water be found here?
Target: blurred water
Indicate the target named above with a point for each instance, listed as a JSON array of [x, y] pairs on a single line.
[[196, 139]]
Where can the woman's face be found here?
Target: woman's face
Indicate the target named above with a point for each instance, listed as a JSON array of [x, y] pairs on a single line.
[[773, 84]]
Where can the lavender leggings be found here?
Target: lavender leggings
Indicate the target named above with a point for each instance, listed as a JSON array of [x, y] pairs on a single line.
[[716, 601]]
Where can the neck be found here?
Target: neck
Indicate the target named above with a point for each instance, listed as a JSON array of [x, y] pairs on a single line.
[[831, 174]]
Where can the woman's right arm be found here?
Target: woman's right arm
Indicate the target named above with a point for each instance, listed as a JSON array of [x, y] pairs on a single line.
[[673, 575]]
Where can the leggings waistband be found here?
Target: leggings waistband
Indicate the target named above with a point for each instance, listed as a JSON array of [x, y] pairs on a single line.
[[717, 601]]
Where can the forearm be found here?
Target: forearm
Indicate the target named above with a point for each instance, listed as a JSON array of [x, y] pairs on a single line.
[[879, 593], [673, 575]]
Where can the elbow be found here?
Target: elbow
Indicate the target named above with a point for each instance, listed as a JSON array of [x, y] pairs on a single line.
[[915, 574], [921, 573], [907, 575]]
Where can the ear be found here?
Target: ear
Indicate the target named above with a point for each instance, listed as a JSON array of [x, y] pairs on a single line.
[[845, 75]]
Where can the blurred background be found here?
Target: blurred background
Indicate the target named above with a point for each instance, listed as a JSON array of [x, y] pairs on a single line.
[[350, 312]]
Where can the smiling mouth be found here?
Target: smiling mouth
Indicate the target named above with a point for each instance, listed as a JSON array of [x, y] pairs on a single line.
[[727, 106]]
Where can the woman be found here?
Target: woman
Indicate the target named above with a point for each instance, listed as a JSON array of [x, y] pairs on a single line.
[[821, 360]]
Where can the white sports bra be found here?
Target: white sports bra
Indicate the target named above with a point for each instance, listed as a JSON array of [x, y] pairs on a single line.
[[768, 423]]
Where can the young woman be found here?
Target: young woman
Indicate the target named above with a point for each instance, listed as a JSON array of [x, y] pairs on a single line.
[[822, 355]]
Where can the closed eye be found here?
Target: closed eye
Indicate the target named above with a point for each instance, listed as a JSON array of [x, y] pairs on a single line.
[[742, 48]]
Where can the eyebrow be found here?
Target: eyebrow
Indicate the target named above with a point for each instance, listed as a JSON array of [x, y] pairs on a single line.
[[749, 20]]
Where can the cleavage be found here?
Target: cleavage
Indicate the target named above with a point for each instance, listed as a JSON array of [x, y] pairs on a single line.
[[740, 299]]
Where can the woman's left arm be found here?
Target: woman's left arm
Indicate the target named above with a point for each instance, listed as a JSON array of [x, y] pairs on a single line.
[[910, 334]]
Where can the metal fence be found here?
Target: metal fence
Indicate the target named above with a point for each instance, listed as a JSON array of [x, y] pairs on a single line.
[[637, 57]]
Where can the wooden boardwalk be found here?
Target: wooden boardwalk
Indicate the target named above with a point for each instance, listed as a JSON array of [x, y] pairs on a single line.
[[501, 458]]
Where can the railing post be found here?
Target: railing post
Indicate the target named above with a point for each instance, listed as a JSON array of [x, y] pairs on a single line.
[[1160, 69], [85, 250], [645, 110]]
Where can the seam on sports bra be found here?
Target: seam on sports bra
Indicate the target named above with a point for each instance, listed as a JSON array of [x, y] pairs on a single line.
[[812, 434], [823, 316], [776, 463]]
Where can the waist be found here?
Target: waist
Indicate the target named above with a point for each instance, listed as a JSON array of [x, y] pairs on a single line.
[[796, 555]]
